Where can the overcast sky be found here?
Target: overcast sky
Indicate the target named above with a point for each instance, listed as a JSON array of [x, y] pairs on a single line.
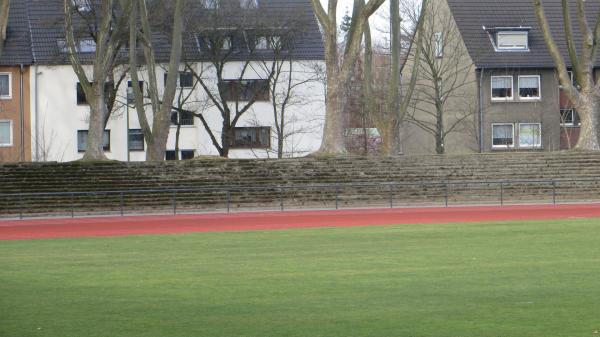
[[377, 20]]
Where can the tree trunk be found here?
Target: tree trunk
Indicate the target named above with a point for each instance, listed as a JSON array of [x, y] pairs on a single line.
[[589, 111], [98, 111], [280, 146], [333, 133]]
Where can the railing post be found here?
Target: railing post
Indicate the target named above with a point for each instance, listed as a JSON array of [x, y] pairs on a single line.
[[122, 203], [72, 205], [281, 198], [501, 193], [553, 192], [174, 202], [228, 201], [337, 196], [446, 193], [20, 206], [391, 196]]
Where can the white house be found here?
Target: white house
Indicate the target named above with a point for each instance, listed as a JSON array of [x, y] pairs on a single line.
[[59, 112]]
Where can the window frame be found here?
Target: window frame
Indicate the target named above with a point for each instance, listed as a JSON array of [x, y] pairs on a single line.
[[538, 144], [512, 89], [10, 88], [512, 125], [539, 79], [211, 4], [508, 32], [439, 44], [572, 111], [179, 119], [10, 133], [244, 4], [257, 129], [137, 149], [104, 148]]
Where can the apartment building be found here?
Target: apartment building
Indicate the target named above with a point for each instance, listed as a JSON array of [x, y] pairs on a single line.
[[511, 81], [55, 111]]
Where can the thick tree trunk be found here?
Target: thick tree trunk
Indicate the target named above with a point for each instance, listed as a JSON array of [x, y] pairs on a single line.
[[333, 133], [98, 111], [280, 146], [589, 112]]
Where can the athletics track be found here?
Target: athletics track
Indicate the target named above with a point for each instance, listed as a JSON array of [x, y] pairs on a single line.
[[146, 225]]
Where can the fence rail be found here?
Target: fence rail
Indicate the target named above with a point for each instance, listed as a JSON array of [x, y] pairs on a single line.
[[285, 197]]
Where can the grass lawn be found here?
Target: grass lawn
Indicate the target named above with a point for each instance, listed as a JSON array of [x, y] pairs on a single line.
[[479, 280]]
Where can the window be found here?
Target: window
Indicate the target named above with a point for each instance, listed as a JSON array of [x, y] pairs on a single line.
[[261, 43], [184, 155], [82, 137], [82, 100], [6, 133], [568, 117], [268, 42], [186, 79], [529, 87], [573, 80], [251, 137], [249, 4], [530, 135], [5, 86], [210, 4], [187, 154], [85, 46], [503, 135], [502, 88], [245, 90], [131, 94], [516, 41], [184, 117], [439, 44], [136, 140], [82, 6]]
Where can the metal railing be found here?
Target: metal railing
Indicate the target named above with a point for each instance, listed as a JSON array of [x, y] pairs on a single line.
[[285, 197]]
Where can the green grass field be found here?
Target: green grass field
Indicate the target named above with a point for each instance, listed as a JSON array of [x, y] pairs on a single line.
[[479, 280]]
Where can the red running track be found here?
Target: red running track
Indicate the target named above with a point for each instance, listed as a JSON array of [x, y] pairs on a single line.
[[144, 225]]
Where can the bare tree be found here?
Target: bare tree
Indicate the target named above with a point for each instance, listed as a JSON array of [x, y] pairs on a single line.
[[156, 135], [236, 46], [387, 109], [339, 69], [287, 82], [586, 98], [4, 12], [442, 102], [107, 23]]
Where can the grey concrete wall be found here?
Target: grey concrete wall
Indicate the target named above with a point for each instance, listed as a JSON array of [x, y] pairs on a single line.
[[544, 111]]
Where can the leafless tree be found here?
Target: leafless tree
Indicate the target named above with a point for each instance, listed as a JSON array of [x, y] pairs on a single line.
[[106, 22], [586, 98], [442, 102], [387, 109], [141, 34], [340, 68], [236, 46]]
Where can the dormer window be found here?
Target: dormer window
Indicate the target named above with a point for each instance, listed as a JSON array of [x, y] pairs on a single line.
[[249, 4], [210, 4], [82, 6], [512, 40]]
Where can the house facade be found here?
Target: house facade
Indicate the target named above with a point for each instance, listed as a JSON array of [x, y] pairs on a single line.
[[15, 112], [56, 111], [519, 105]]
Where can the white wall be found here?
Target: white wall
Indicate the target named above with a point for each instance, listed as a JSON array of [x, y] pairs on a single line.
[[59, 116]]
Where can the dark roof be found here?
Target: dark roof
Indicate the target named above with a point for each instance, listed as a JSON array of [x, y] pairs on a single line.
[[17, 48], [44, 20], [472, 15]]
